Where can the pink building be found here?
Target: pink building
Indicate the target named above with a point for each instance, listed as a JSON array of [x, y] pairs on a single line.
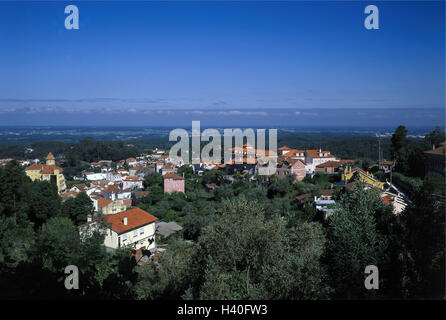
[[173, 183], [287, 167]]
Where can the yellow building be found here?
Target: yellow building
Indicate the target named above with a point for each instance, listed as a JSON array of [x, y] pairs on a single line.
[[366, 177], [48, 172], [107, 206]]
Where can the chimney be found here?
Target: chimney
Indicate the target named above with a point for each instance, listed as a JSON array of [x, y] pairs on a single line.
[[125, 220], [89, 218]]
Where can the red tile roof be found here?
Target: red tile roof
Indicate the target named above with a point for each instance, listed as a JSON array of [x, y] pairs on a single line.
[[80, 186], [112, 189], [173, 176], [127, 203], [45, 168], [304, 196], [294, 153], [132, 178], [328, 164], [72, 194], [440, 151], [288, 162], [136, 218], [387, 199], [50, 156], [102, 202], [315, 154]]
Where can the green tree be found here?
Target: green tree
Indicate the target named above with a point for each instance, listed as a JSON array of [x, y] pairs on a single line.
[[17, 242], [58, 244], [13, 195], [152, 180], [171, 280], [43, 201], [399, 140], [77, 209], [353, 243], [435, 137], [242, 253], [187, 171], [280, 187], [422, 249]]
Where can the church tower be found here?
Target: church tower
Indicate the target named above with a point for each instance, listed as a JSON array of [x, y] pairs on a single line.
[[50, 160]]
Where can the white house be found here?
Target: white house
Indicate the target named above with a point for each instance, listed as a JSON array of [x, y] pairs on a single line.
[[134, 227], [95, 176], [313, 158], [131, 183]]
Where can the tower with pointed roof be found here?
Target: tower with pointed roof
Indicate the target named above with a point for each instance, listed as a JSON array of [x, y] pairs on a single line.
[[50, 160], [47, 172]]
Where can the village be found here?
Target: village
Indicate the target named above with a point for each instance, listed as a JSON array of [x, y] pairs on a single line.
[[116, 188]]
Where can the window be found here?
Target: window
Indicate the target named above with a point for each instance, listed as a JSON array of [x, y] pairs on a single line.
[[135, 233], [141, 231], [124, 237]]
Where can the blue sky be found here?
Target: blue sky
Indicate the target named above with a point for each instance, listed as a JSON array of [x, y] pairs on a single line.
[[281, 63]]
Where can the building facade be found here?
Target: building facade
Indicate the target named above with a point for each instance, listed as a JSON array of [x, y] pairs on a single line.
[[48, 172], [173, 183], [436, 158], [133, 228]]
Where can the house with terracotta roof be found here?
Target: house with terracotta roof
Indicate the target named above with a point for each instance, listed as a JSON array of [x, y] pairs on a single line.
[[111, 192], [69, 195], [137, 195], [295, 154], [114, 176], [346, 161], [436, 158], [79, 187], [134, 228], [48, 172], [168, 169], [314, 158], [396, 201], [283, 150], [288, 166], [120, 164], [328, 167], [95, 164], [125, 194], [106, 206], [173, 183], [131, 161], [131, 183]]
